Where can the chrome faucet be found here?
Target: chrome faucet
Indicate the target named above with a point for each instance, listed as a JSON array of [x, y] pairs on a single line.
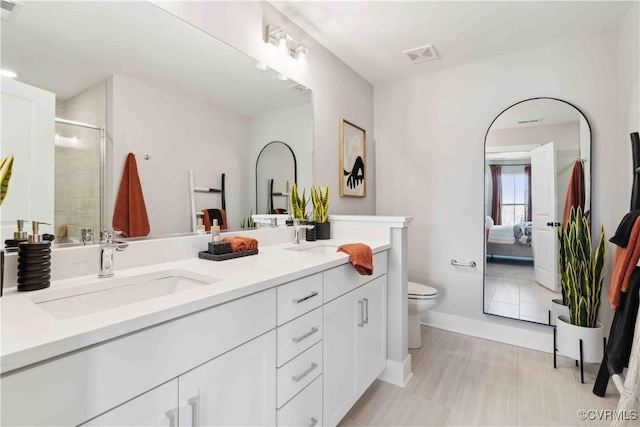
[[107, 245], [298, 227]]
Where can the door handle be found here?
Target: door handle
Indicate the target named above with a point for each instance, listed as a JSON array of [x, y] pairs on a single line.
[[193, 402], [554, 224], [298, 378], [361, 322], [366, 311], [299, 300], [172, 417], [307, 335]]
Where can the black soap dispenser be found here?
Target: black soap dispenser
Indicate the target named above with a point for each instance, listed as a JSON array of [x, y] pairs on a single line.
[[34, 261]]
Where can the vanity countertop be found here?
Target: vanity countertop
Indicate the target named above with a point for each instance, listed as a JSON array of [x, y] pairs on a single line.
[[31, 335]]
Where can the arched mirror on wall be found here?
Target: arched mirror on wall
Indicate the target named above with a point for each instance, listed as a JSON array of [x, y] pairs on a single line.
[[537, 162], [276, 172]]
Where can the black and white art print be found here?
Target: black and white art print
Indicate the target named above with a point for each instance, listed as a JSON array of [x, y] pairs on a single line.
[[352, 160]]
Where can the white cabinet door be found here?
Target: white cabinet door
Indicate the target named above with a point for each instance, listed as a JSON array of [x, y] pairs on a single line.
[[341, 317], [237, 388], [372, 347], [157, 407]]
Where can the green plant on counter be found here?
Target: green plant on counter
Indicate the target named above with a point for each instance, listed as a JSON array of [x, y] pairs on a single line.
[[582, 269], [298, 203], [6, 169], [320, 203], [248, 222]]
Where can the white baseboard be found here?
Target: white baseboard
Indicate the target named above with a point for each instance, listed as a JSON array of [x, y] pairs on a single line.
[[534, 337], [397, 373]]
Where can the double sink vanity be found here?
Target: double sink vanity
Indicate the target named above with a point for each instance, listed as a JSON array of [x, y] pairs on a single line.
[[292, 336]]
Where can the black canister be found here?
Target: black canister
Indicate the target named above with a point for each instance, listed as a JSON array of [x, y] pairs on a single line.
[[34, 266]]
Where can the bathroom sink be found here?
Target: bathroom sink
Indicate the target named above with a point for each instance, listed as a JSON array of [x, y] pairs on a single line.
[[317, 248], [104, 294]]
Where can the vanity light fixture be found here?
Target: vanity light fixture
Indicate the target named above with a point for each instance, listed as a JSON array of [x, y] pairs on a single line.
[[8, 73], [286, 44]]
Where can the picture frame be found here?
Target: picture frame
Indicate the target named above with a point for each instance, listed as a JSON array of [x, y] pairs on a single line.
[[352, 163]]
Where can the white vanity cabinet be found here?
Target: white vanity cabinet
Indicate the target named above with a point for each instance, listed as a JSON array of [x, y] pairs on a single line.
[[354, 345]]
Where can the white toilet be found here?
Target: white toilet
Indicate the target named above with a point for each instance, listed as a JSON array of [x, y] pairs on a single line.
[[421, 299]]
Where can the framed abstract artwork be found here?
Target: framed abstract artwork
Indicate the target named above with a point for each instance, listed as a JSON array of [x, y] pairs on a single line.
[[353, 180]]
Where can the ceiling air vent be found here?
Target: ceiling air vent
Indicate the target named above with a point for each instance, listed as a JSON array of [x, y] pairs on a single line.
[[300, 88], [9, 9], [422, 54]]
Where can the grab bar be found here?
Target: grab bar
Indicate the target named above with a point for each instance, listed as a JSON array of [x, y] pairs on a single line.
[[471, 264]]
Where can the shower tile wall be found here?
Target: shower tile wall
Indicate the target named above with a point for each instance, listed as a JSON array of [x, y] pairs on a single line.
[[77, 164]]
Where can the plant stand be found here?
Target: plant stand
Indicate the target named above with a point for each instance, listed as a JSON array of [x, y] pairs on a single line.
[[582, 345]]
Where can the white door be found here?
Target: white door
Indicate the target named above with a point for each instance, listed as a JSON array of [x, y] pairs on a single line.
[[543, 201], [372, 343], [342, 319], [28, 129], [235, 389], [157, 407]]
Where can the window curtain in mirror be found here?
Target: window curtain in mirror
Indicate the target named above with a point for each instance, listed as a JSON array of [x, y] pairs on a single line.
[[575, 192], [527, 175], [496, 199]]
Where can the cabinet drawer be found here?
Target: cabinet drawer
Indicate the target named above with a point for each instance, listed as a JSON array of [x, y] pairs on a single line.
[[298, 335], [298, 373], [342, 279], [299, 297], [305, 409]]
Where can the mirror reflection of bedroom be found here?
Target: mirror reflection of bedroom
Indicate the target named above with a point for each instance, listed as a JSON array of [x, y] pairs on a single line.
[[537, 156]]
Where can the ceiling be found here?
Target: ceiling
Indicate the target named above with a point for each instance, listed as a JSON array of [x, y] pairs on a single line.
[[370, 36], [547, 111], [67, 47]]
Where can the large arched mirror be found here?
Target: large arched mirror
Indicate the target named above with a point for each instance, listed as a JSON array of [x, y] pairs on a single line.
[[537, 163], [276, 172]]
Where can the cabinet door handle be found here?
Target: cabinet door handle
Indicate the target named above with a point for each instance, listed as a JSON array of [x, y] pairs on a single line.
[[366, 311], [361, 321], [172, 417], [195, 421], [303, 299], [307, 335], [298, 378], [314, 421]]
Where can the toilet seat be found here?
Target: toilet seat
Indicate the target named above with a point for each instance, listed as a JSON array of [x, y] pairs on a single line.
[[417, 291]]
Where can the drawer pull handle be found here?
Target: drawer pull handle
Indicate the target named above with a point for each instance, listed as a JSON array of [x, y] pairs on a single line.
[[307, 335], [303, 299], [366, 311], [314, 421], [195, 422], [172, 417], [298, 378], [361, 322]]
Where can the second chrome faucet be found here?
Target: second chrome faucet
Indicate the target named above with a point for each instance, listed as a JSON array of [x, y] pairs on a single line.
[[107, 246]]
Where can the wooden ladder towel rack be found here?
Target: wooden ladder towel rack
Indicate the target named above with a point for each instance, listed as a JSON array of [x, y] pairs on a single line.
[[192, 198]]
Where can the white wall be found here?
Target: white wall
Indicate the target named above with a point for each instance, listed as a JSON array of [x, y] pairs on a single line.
[[294, 127], [430, 132], [338, 91], [179, 132]]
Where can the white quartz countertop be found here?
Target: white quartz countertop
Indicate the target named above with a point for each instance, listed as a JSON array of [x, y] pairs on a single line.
[[31, 335]]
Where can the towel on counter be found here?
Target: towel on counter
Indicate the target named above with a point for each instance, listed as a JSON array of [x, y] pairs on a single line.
[[237, 245], [210, 214], [130, 212], [360, 256], [250, 241], [625, 262]]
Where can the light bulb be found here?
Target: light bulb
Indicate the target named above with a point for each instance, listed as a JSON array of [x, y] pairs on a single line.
[[283, 44], [261, 66], [282, 77], [301, 57]]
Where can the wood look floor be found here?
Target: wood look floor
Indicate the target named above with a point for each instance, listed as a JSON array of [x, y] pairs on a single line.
[[465, 381]]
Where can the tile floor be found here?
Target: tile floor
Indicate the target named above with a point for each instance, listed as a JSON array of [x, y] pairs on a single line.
[[465, 381], [511, 291]]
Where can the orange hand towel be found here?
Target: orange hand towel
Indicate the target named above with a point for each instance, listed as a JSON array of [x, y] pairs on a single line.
[[624, 263], [360, 256], [251, 242], [237, 245], [130, 213]]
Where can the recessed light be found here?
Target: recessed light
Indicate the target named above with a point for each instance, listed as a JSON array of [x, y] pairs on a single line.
[[8, 73], [282, 77], [262, 66]]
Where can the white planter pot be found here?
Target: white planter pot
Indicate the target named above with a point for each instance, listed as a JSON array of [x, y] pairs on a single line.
[[569, 336], [558, 309]]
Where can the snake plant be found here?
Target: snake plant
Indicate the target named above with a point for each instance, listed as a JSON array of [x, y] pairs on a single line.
[[298, 203], [320, 203], [581, 269], [6, 169]]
